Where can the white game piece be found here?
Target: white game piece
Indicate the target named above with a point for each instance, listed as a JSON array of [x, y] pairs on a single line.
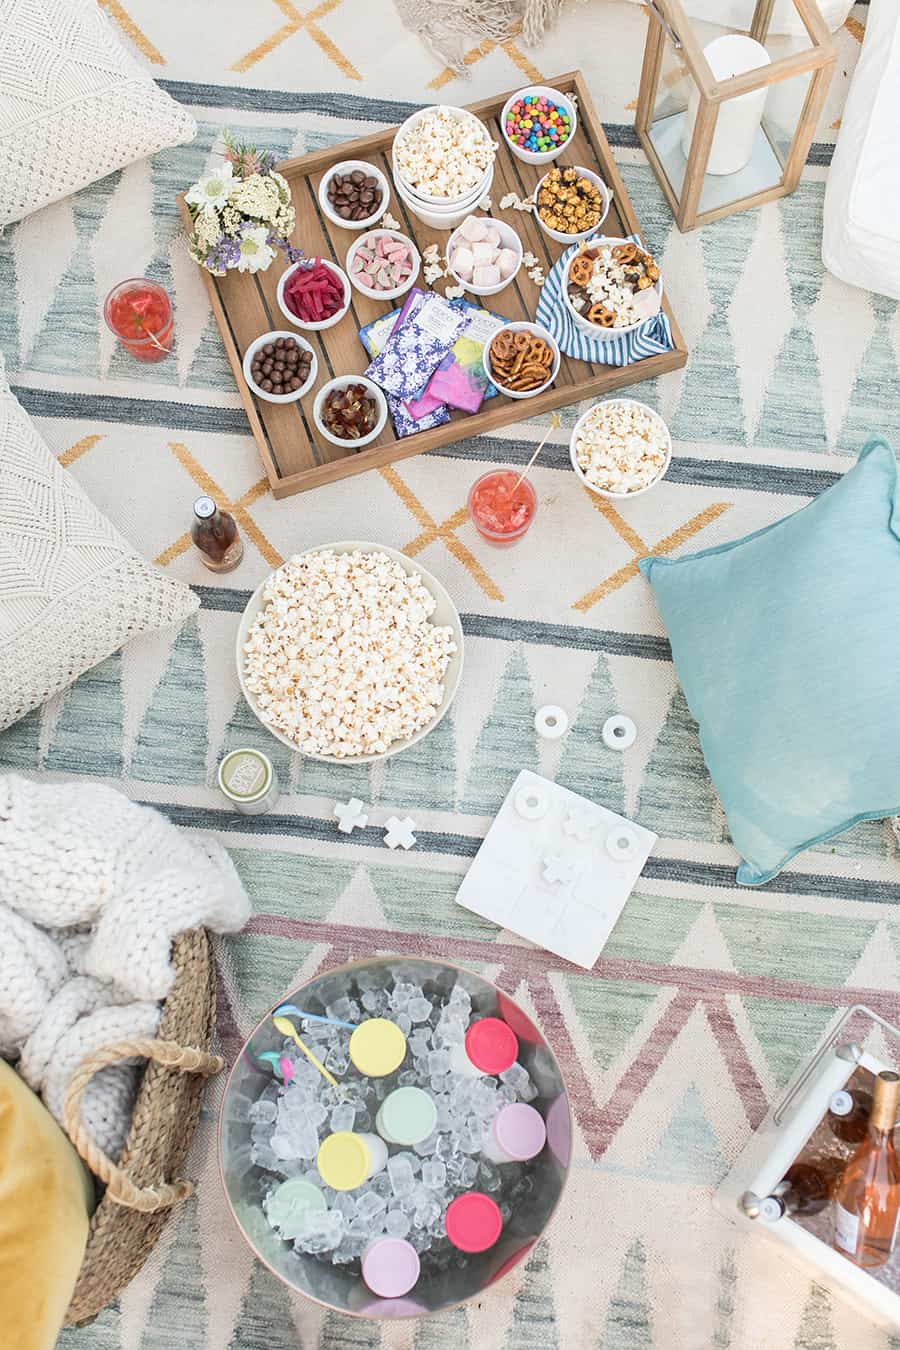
[[579, 824], [619, 732], [350, 815], [556, 868], [532, 803], [399, 833], [622, 843], [551, 722], [508, 882]]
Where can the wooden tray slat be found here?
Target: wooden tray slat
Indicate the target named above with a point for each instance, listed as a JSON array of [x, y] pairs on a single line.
[[295, 456]]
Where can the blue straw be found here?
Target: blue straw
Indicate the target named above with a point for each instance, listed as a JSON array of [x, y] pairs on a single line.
[[289, 1010]]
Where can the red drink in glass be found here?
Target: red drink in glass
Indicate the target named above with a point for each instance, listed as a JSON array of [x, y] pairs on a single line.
[[140, 314], [500, 510]]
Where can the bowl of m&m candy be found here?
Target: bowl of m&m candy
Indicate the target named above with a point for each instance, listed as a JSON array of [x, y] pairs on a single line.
[[538, 123]]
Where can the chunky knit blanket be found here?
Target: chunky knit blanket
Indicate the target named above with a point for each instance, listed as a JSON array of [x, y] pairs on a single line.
[[92, 891]]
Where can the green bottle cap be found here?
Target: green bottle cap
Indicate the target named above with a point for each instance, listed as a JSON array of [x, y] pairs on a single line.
[[408, 1115]]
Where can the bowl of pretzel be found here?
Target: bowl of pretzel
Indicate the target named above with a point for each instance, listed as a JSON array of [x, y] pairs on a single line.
[[611, 286], [521, 359]]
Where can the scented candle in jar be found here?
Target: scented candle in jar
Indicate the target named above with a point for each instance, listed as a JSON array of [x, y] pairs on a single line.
[[140, 314], [502, 505]]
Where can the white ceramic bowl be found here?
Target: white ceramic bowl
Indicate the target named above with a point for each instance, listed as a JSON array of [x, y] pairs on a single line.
[[279, 398], [521, 326], [540, 156], [605, 492], [592, 329], [349, 166], [472, 194], [559, 235], [508, 239], [396, 291], [322, 323], [445, 613], [341, 382], [442, 217]]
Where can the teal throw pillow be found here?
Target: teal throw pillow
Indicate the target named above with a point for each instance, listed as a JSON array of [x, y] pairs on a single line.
[[787, 646]]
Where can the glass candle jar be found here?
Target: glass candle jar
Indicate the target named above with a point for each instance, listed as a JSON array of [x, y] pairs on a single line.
[[501, 507], [140, 314]]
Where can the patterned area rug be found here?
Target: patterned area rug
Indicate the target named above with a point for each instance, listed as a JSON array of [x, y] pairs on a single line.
[[707, 996]]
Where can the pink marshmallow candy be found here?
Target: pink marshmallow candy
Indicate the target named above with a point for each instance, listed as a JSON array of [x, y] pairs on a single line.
[[479, 257], [488, 275]]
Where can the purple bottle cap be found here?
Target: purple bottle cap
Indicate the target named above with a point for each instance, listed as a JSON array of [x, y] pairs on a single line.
[[520, 1131], [559, 1130], [390, 1267]]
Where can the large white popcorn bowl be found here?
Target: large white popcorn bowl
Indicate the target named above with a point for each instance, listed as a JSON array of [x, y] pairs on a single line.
[[445, 613], [340, 1288]]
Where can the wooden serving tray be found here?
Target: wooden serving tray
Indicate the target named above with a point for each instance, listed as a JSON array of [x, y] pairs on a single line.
[[295, 456]]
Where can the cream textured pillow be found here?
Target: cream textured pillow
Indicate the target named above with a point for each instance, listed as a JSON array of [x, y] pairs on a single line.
[[72, 591], [74, 106]]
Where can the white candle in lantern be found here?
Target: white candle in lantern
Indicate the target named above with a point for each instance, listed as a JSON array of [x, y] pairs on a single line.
[[739, 118]]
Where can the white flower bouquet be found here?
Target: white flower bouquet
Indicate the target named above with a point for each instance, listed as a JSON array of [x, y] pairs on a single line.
[[242, 213]]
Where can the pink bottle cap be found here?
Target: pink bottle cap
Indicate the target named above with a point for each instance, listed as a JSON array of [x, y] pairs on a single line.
[[521, 1025], [559, 1130], [520, 1131], [390, 1267], [473, 1222], [491, 1045]]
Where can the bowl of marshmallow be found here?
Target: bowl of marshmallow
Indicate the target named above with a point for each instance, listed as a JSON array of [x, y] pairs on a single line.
[[484, 255]]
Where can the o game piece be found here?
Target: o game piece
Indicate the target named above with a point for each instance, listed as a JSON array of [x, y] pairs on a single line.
[[619, 732], [551, 722]]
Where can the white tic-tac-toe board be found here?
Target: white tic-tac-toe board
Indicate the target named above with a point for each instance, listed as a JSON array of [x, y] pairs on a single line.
[[556, 868]]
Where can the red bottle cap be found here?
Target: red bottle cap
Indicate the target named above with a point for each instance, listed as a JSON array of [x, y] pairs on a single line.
[[473, 1222], [491, 1045]]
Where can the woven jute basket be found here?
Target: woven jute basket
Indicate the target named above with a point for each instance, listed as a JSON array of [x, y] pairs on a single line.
[[142, 1187]]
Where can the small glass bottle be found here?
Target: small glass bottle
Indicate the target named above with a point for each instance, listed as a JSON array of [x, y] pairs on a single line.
[[215, 536], [805, 1188], [867, 1200], [848, 1116]]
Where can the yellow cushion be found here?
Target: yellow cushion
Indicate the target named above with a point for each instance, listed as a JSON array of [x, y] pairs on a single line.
[[46, 1195]]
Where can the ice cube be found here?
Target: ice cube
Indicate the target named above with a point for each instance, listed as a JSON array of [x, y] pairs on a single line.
[[338, 1058], [401, 1175], [426, 1212], [397, 1223], [401, 994], [438, 1063], [426, 1146], [419, 1009], [434, 1174], [489, 1178], [469, 1173], [343, 1117], [346, 1204], [369, 1205], [404, 1022], [262, 1112]]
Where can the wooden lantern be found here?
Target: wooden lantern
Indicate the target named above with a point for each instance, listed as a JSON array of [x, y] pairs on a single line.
[[726, 115]]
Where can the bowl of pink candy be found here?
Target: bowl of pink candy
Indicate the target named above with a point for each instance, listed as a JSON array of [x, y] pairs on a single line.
[[484, 255], [314, 294], [383, 264]]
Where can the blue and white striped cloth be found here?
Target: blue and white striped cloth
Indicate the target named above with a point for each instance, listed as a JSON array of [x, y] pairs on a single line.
[[652, 337]]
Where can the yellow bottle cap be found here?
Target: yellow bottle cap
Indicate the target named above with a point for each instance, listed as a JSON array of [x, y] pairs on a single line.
[[377, 1047], [344, 1161]]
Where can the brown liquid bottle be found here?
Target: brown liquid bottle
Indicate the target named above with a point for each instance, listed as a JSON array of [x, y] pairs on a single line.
[[867, 1198], [848, 1116], [805, 1188], [215, 536]]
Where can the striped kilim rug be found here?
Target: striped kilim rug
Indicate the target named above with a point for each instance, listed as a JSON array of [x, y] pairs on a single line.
[[707, 996]]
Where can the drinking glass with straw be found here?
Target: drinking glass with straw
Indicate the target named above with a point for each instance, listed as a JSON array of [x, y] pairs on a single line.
[[503, 505]]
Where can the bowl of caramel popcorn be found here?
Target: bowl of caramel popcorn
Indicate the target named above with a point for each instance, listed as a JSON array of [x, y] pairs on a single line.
[[570, 203]]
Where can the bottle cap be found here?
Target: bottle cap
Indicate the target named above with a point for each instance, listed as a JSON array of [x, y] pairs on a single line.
[[204, 507], [390, 1267], [377, 1047], [771, 1209], [559, 1130], [491, 1045], [885, 1100], [408, 1115], [520, 1131], [473, 1222], [841, 1104], [291, 1199], [245, 775], [344, 1161]]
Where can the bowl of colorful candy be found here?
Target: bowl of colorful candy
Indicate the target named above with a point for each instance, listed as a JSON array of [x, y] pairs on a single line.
[[383, 264], [538, 123], [484, 254], [313, 294], [394, 1137], [350, 411]]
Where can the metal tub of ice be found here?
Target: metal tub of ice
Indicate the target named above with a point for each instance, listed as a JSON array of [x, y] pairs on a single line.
[[399, 1163]]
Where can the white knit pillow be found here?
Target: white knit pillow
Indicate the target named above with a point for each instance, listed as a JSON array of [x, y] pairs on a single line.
[[74, 106], [72, 591]]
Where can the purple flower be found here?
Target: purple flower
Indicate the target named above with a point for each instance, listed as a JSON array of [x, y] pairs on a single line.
[[226, 253], [291, 252]]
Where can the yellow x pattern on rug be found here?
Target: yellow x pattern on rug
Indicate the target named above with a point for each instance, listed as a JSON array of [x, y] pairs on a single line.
[[640, 549], [445, 531], [475, 54], [295, 23], [239, 509], [119, 14]]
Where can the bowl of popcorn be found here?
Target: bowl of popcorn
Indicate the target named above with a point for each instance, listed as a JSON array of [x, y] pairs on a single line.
[[443, 156], [383, 264], [570, 203], [611, 286], [484, 255], [522, 359], [620, 448], [349, 653]]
